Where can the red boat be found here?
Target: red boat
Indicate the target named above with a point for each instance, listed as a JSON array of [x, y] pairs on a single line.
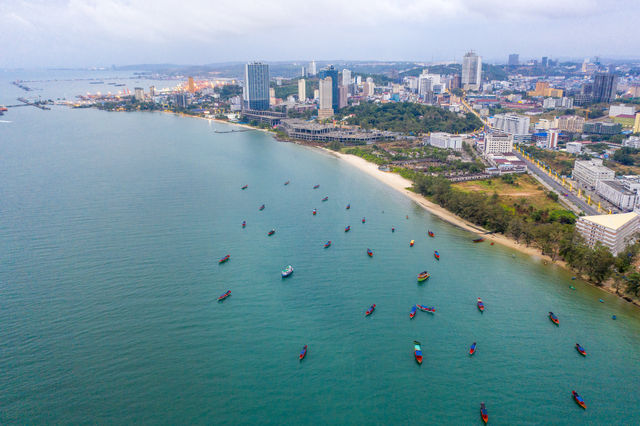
[[347, 229], [327, 244], [224, 259], [412, 313], [369, 252], [578, 399], [393, 229], [244, 223], [314, 212], [472, 349], [363, 220], [478, 240], [303, 353], [316, 186], [245, 186], [370, 310], [411, 243], [417, 351], [581, 350], [431, 234], [483, 413], [270, 233], [224, 296], [436, 255], [480, 305], [554, 319]]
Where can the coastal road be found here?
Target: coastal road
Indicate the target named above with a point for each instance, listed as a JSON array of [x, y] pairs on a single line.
[[577, 204]]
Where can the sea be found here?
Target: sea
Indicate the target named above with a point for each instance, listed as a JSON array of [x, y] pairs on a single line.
[[111, 228]]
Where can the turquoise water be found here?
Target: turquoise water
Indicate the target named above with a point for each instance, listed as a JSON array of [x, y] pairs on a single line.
[[111, 225]]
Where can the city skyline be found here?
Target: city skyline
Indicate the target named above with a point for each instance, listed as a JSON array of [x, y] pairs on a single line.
[[86, 33]]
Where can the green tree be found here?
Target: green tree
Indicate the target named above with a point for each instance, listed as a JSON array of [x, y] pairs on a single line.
[[599, 263], [633, 284]]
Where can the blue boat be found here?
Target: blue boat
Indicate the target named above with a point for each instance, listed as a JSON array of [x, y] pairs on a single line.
[[472, 349], [327, 244], [347, 229], [412, 313]]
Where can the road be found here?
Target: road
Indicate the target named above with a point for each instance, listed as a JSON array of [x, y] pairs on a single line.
[[571, 198]]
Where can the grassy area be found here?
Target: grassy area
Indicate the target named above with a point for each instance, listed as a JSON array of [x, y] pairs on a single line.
[[524, 192]]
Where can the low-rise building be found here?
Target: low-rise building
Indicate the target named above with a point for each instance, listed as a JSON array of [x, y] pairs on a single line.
[[617, 194], [621, 109], [632, 142], [507, 163], [600, 128], [446, 141], [574, 147], [614, 231], [589, 172], [569, 123]]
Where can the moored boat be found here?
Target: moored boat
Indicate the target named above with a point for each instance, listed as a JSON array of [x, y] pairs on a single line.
[[370, 310], [417, 351], [578, 399], [325, 198], [431, 234], [303, 353], [244, 223], [224, 259], [429, 309], [483, 413], [288, 270], [370, 253], [348, 206], [422, 276], [411, 243], [245, 186], [436, 254], [261, 207], [327, 244], [316, 186], [581, 350], [472, 349], [270, 233], [315, 212], [478, 240], [412, 312], [393, 229], [480, 305], [347, 228], [224, 296], [286, 183], [363, 220], [554, 319]]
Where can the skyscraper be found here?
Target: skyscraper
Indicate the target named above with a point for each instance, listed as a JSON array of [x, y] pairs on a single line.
[[471, 71], [326, 98], [346, 77], [330, 71], [604, 87], [256, 86], [545, 61], [191, 85], [312, 68], [514, 60], [302, 90], [344, 93]]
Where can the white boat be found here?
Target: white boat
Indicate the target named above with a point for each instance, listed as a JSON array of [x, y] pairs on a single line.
[[287, 271]]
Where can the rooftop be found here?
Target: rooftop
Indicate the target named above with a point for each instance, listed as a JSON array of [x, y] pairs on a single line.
[[611, 221]]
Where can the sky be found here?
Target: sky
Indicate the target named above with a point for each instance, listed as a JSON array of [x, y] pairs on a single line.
[[84, 33]]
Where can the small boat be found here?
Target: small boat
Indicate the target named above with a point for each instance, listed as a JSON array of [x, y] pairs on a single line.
[[478, 240], [224, 296], [363, 220], [315, 212], [491, 242], [417, 351], [224, 259], [472, 349], [412, 313], [327, 244], [347, 228], [369, 252], [480, 305], [578, 399], [245, 187], [270, 233], [572, 287], [244, 223], [303, 353], [287, 183], [483, 413], [554, 319], [370, 310], [316, 186], [429, 309], [393, 229], [325, 198], [411, 243], [581, 350], [431, 234], [436, 254], [613, 317], [422, 276], [261, 207], [601, 301], [348, 206], [288, 270], [573, 278]]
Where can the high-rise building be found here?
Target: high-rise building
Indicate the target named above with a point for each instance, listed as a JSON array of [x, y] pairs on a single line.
[[545, 61], [152, 91], [302, 90], [514, 60], [456, 82], [325, 89], [614, 231], [552, 138], [636, 123], [344, 93], [497, 143], [346, 77], [256, 86], [330, 71], [512, 124], [272, 96], [303, 72], [471, 71], [181, 100], [604, 87], [191, 86], [138, 94], [312, 68]]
